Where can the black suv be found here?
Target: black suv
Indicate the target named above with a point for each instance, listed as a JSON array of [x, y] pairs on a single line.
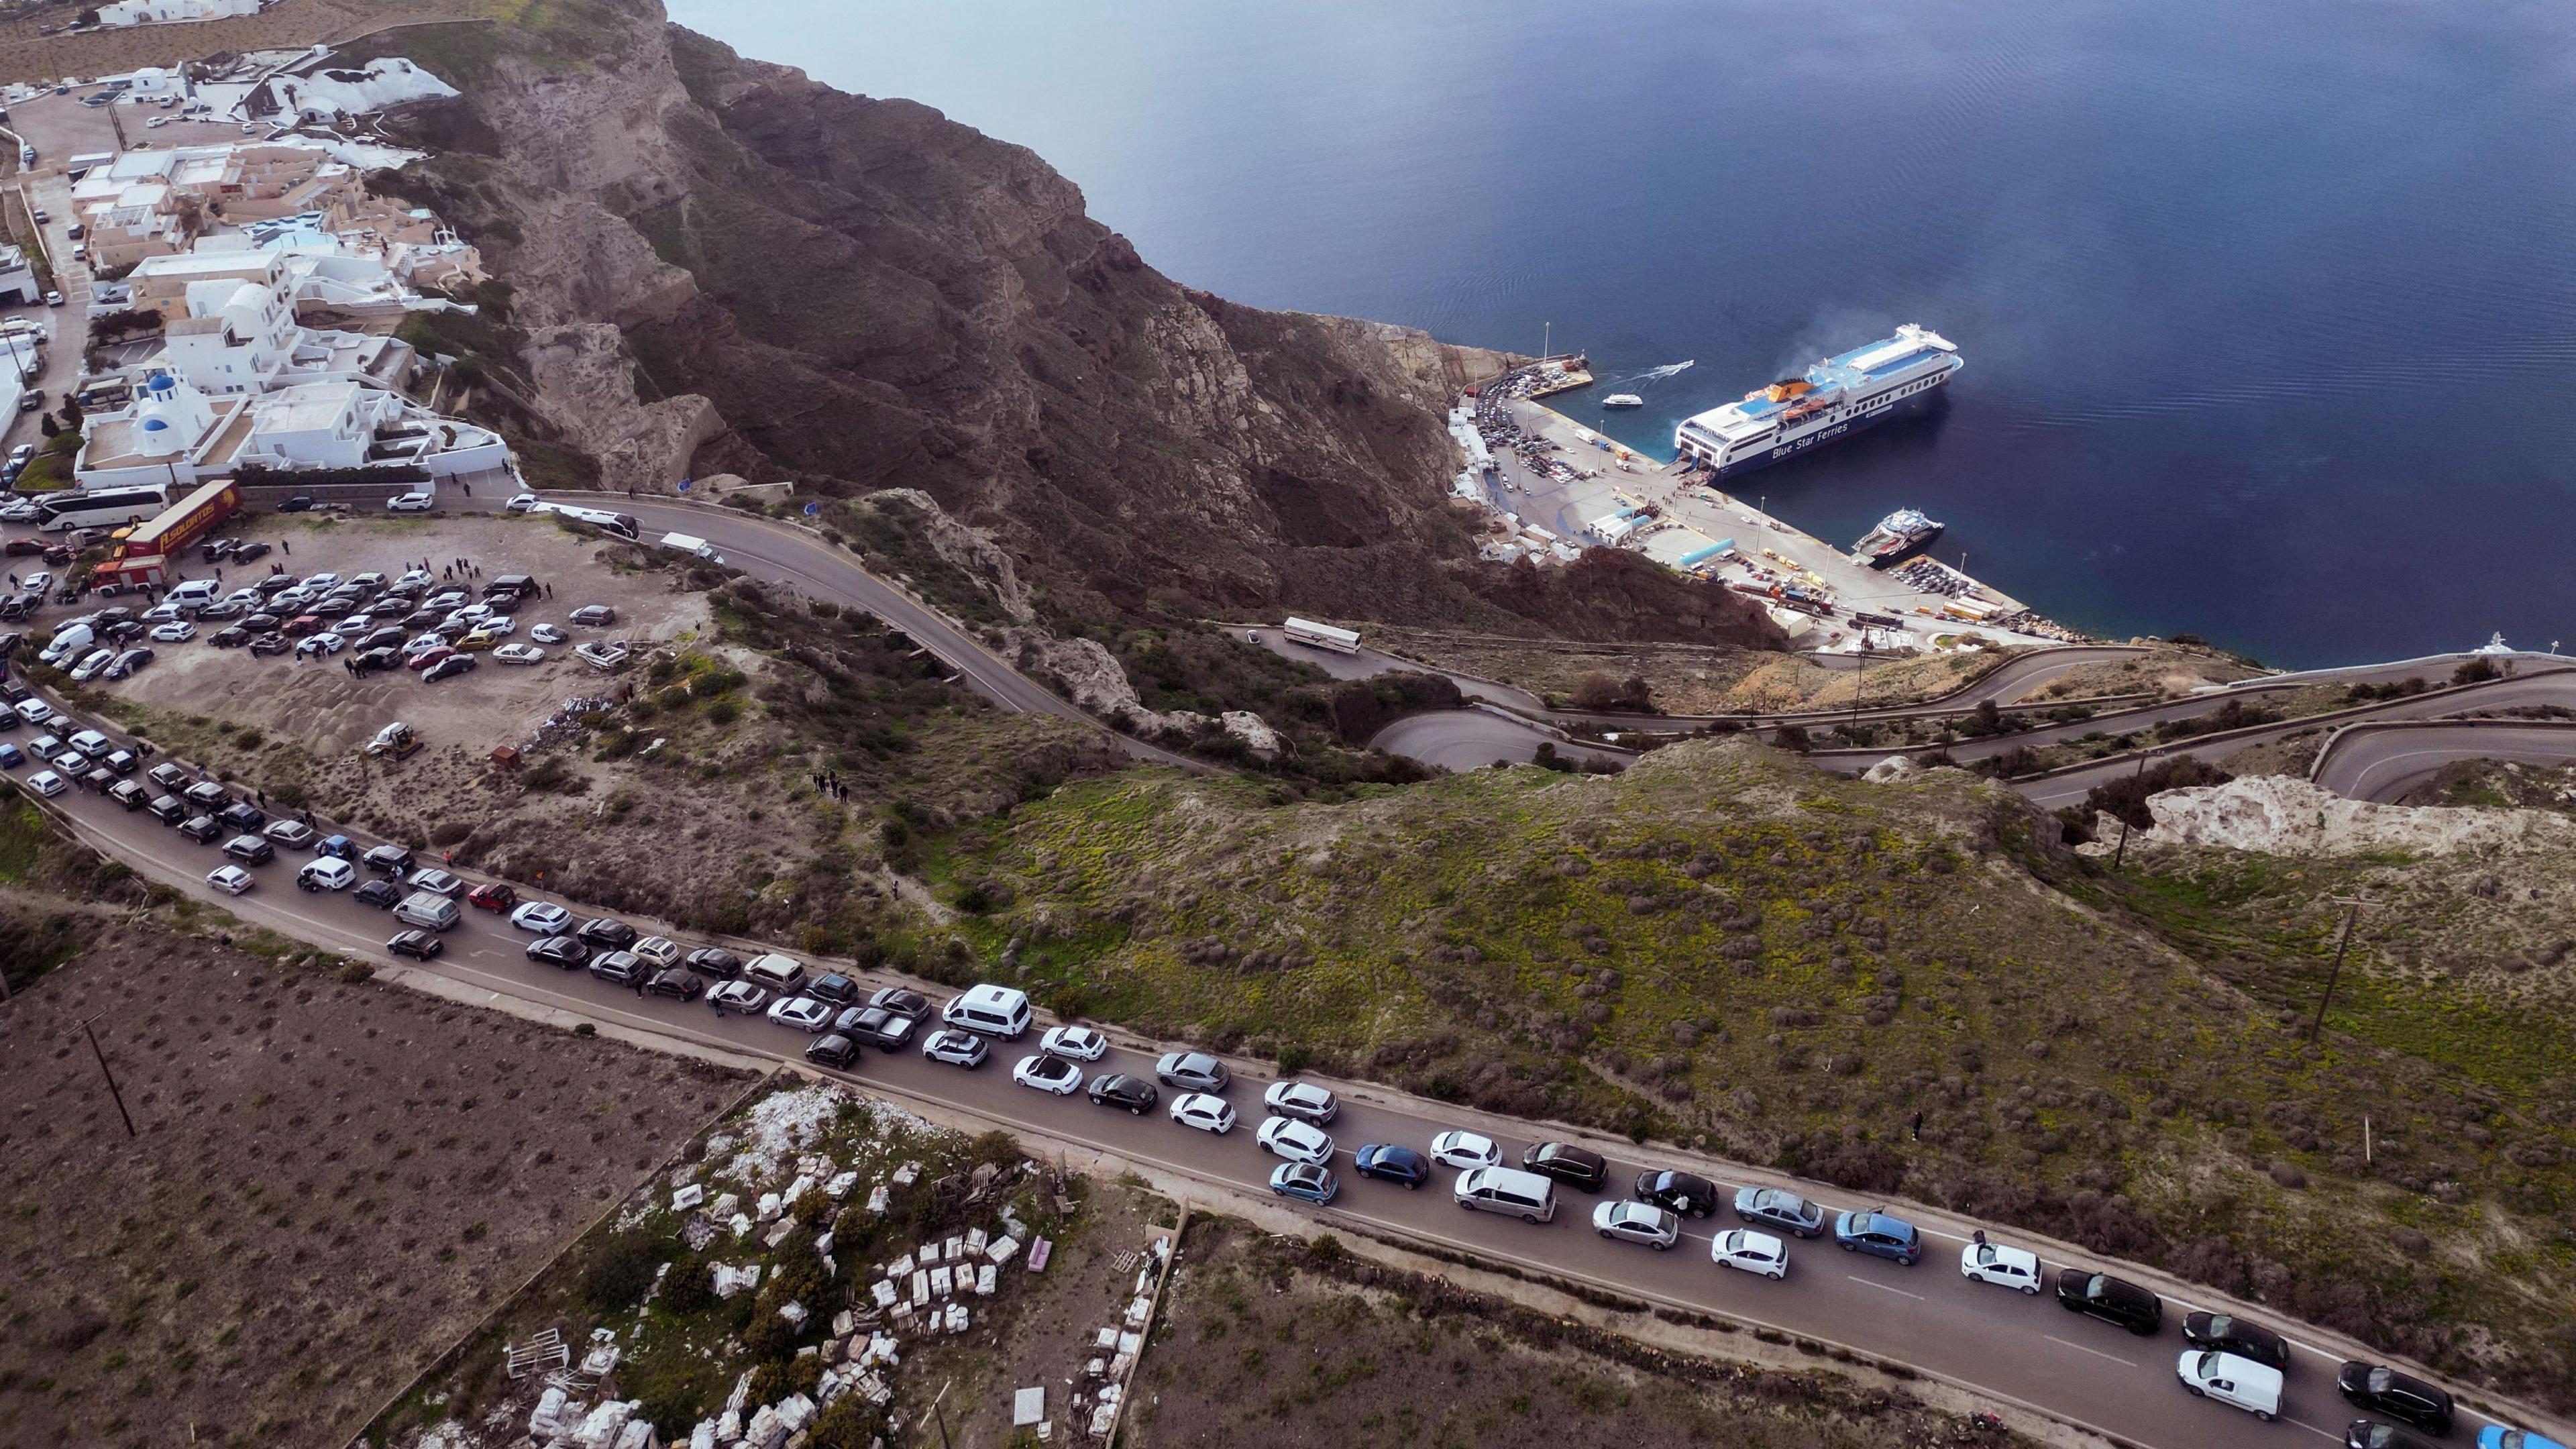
[[1121, 1090], [1682, 1192], [242, 815], [2406, 1399], [835, 1051], [2242, 1337], [835, 988], [1576, 1167], [674, 983], [201, 828], [387, 860], [562, 951], [900, 1002], [2110, 1299], [715, 961], [607, 933]]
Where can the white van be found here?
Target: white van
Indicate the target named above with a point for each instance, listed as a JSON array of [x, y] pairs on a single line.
[[428, 910], [990, 1010], [1524, 1195], [2251, 1386], [67, 645], [191, 595], [781, 974], [693, 546]]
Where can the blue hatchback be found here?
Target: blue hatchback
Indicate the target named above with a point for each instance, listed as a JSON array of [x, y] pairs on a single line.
[[1875, 1233], [1394, 1164], [1308, 1181], [11, 757], [336, 845]]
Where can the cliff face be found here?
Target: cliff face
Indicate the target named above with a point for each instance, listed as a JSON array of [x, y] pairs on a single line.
[[723, 266]]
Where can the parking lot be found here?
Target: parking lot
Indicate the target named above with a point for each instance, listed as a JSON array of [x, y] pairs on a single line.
[[301, 686]]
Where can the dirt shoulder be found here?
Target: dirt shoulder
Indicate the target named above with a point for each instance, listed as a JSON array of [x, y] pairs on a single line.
[[331, 1179]]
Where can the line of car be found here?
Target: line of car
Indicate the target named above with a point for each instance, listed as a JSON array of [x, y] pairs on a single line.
[[2228, 1358]]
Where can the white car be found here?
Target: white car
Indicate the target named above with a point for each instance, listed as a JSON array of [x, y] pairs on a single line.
[[177, 631], [1750, 1251], [657, 952], [520, 503], [323, 643], [1206, 1113], [518, 653], [1297, 1141], [543, 917], [739, 996], [469, 614], [322, 580], [415, 578], [958, 1048], [802, 1012], [93, 666], [1630, 1221], [47, 783], [1048, 1073], [1080, 1043], [161, 613], [1302, 1100], [1996, 1263], [232, 880], [547, 634], [1465, 1150], [601, 656], [35, 712], [91, 743], [2253, 1387], [330, 873], [411, 503], [356, 625]]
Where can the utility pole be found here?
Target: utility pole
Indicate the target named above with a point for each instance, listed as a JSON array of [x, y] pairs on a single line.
[[111, 1078], [2351, 913], [1547, 339], [1860, 680], [2122, 853]]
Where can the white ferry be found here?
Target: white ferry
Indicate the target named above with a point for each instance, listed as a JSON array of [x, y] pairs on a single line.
[[1838, 396], [1623, 400]]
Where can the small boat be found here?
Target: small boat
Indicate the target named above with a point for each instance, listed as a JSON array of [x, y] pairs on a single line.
[[1623, 400], [1897, 535]]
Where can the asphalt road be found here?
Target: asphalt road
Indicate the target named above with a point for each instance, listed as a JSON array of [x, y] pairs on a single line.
[[1994, 1341], [2382, 762], [1471, 739]]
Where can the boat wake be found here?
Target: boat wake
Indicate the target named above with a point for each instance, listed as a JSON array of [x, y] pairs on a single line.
[[1658, 374]]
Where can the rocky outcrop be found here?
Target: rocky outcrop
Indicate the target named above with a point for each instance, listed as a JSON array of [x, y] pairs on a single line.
[[871, 296], [2283, 815]]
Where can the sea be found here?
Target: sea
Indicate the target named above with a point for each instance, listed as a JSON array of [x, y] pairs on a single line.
[[2268, 306]]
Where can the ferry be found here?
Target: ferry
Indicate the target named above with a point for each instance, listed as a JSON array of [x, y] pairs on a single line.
[[1897, 535], [1623, 400], [1836, 398]]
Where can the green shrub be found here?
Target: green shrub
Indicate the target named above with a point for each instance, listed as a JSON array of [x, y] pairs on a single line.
[[618, 1277]]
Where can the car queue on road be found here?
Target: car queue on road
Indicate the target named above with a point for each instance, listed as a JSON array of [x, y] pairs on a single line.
[[2227, 1359]]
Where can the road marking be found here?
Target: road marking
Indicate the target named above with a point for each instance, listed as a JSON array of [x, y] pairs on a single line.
[[1883, 1288], [2097, 1353], [2313, 1429]]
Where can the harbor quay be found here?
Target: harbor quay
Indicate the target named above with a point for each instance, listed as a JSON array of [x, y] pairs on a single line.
[[1577, 488]]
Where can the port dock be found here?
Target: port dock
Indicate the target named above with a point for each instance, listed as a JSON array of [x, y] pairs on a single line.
[[1588, 490]]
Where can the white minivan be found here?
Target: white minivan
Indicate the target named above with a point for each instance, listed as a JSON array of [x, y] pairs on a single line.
[[781, 974], [989, 1010], [1524, 1195], [2229, 1379]]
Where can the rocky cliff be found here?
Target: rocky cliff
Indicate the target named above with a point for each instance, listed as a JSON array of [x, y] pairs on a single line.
[[720, 265]]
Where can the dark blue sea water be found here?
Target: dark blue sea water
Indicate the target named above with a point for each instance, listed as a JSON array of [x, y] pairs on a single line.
[[2269, 308]]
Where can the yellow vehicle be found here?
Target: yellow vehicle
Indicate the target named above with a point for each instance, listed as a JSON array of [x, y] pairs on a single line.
[[479, 639]]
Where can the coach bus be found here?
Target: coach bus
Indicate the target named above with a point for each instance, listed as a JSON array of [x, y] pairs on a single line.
[[103, 508]]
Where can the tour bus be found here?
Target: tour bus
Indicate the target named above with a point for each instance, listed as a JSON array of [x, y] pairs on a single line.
[[1322, 636], [101, 508], [620, 524]]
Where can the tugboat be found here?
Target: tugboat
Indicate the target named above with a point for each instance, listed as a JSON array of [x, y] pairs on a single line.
[[1623, 400], [1897, 535]]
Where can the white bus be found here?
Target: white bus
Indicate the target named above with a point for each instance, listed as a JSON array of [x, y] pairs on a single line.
[[621, 524], [104, 508], [1322, 636]]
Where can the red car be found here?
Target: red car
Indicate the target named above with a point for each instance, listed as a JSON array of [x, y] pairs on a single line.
[[495, 896], [302, 624], [427, 657]]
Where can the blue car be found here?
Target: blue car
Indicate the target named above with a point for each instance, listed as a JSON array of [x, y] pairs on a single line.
[[336, 845], [2497, 1436], [11, 757], [1394, 1164], [1307, 1181], [1875, 1233]]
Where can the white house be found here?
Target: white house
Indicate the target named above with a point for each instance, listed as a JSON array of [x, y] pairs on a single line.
[[17, 279], [172, 12], [174, 433]]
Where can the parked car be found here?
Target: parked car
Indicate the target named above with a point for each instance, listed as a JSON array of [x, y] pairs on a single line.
[[1389, 1163], [438, 883], [2372, 1434], [423, 944], [1047, 1072], [2000, 1264], [290, 834], [242, 815], [833, 987], [390, 860], [519, 654], [607, 933], [902, 1002], [878, 1027], [411, 503], [177, 631], [1683, 1192], [249, 850], [1302, 1100], [674, 983], [1637, 1222], [1779, 1208], [2227, 1333], [384, 895], [1206, 1113], [2113, 1300], [835, 1051], [2377, 1389], [448, 668], [1751, 1252], [658, 952], [1297, 1141], [594, 616], [130, 794], [201, 828], [564, 951], [619, 967], [1192, 1072], [1465, 1150], [326, 873], [493, 896], [1306, 1181], [740, 996], [47, 783], [2251, 1386], [1576, 1167], [2499, 1436], [547, 634], [1117, 1089], [1079, 1043], [956, 1047], [1879, 1235], [232, 880], [715, 961]]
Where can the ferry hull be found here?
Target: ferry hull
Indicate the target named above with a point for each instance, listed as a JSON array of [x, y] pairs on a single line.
[[1834, 433]]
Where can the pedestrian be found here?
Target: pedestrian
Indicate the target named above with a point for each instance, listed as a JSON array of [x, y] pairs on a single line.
[[550, 591], [468, 487], [1979, 1237], [263, 798], [448, 572], [718, 1003], [286, 546], [1918, 1126], [639, 983]]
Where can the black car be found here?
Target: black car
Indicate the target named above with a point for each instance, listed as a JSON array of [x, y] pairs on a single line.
[[2372, 1434], [836, 1051], [607, 934], [231, 636], [423, 944], [562, 951], [622, 967], [448, 668], [422, 618], [300, 503], [267, 644], [250, 552], [201, 828], [835, 988], [123, 762], [900, 1002], [249, 850], [384, 895], [594, 616], [129, 794], [242, 815], [376, 661], [97, 781], [2113, 1300], [387, 860], [1576, 1167], [168, 776], [885, 1030], [1121, 1090], [674, 983], [715, 961], [261, 623], [387, 637], [168, 809], [2408, 1400], [1682, 1192], [208, 796], [2242, 1337]]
